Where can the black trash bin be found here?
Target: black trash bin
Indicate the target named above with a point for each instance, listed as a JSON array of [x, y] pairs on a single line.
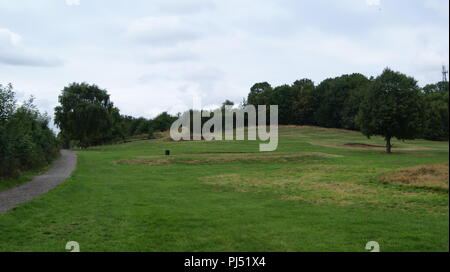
[[167, 152]]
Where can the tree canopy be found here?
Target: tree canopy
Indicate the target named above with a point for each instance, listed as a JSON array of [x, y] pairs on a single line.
[[26, 141], [86, 114], [392, 108], [356, 102], [391, 105]]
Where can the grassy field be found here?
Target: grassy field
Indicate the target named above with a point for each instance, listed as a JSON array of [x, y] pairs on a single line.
[[315, 193]]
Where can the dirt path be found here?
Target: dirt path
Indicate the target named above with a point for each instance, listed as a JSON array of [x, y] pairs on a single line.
[[41, 184]]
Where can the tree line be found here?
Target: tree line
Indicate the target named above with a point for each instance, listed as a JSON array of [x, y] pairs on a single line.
[[86, 117], [26, 141], [390, 105]]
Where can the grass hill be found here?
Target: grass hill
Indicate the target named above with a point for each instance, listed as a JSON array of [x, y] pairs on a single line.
[[322, 190]]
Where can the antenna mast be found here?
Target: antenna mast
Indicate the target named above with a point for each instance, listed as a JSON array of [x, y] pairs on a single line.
[[444, 73]]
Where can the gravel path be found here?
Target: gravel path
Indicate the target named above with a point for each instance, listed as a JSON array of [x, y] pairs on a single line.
[[41, 184]]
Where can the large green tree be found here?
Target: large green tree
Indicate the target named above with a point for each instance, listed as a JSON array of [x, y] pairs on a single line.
[[357, 85], [436, 123], [283, 96], [336, 100], [302, 105], [162, 122], [392, 108], [260, 94], [440, 87], [86, 115]]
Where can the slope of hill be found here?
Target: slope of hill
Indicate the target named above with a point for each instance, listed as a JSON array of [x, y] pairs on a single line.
[[322, 190]]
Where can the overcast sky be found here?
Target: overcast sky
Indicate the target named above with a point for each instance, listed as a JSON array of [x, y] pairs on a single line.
[[153, 56]]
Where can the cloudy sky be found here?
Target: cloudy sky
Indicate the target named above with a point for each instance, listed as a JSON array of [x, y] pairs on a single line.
[[154, 55]]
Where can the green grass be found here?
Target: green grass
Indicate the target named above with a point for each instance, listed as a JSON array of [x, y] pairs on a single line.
[[312, 194]]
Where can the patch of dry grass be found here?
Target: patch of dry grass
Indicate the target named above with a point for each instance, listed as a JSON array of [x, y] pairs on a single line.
[[435, 176], [311, 185], [321, 184], [228, 157]]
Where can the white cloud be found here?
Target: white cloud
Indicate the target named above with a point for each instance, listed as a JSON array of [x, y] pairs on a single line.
[[154, 55], [164, 30], [72, 2], [167, 55], [9, 38], [184, 6], [27, 59], [373, 2], [439, 6], [13, 53]]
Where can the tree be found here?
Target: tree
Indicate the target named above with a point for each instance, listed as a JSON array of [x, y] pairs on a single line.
[[142, 126], [85, 114], [302, 106], [441, 86], [7, 101], [358, 86], [337, 100], [283, 96], [327, 104], [259, 94], [119, 129], [436, 123], [227, 103], [162, 122], [392, 108], [26, 141]]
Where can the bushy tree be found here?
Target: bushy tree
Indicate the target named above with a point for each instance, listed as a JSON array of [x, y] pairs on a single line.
[[392, 108], [260, 94], [26, 141], [440, 87], [357, 86], [142, 126], [284, 97], [86, 115], [162, 122], [337, 100], [436, 122], [7, 101], [302, 102], [227, 103], [119, 129]]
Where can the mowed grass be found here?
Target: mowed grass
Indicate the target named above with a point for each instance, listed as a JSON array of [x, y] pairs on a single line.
[[315, 193]]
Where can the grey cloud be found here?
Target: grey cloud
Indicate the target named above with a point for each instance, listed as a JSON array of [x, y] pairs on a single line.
[[23, 59], [189, 73], [204, 74], [12, 52], [164, 30], [217, 48]]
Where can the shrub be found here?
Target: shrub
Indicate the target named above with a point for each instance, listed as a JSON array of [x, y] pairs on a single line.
[[26, 141]]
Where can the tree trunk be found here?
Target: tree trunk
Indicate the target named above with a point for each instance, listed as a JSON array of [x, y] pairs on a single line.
[[388, 145]]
